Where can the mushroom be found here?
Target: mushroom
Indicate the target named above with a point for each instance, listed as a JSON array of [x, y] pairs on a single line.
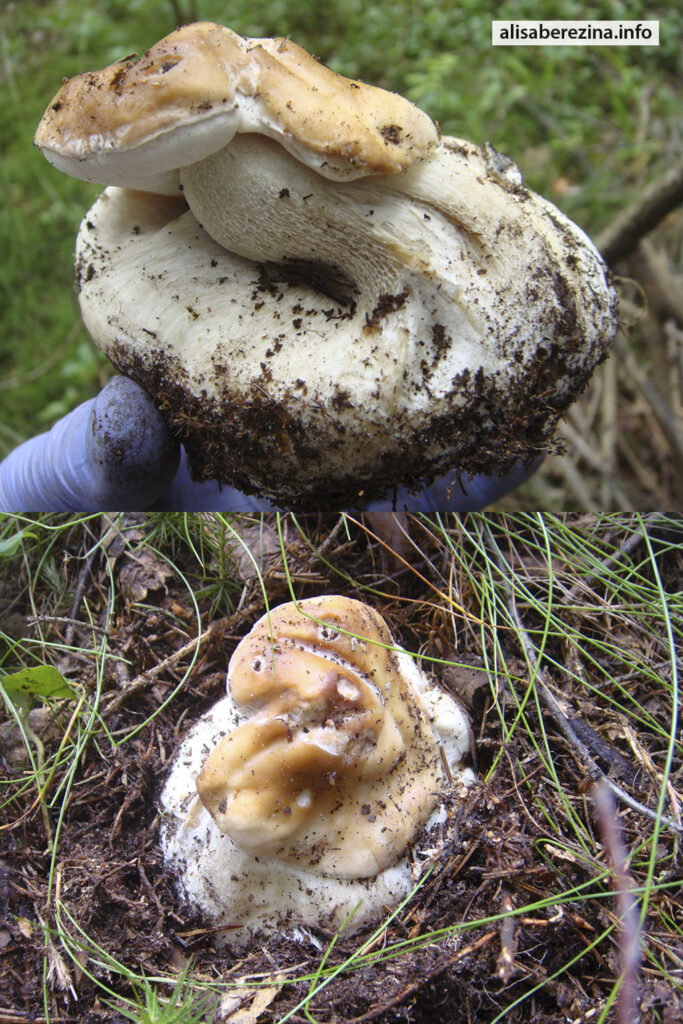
[[301, 792], [324, 297]]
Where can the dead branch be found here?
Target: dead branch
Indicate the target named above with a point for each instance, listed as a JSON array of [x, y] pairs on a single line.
[[377, 1011], [633, 541], [627, 907], [145, 679], [662, 412], [651, 269], [505, 966], [621, 237]]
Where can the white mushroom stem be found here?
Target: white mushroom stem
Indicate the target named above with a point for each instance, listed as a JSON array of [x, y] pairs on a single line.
[[421, 240], [254, 199]]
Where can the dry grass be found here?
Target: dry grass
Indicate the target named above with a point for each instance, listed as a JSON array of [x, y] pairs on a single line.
[[623, 440]]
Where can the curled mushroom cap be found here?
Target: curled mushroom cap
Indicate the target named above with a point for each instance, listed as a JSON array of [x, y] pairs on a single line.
[[336, 767], [337, 301], [300, 793], [134, 123]]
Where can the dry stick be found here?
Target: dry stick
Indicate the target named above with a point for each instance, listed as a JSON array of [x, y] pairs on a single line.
[[608, 429], [40, 620], [78, 596], [321, 552], [661, 410], [142, 681], [564, 724], [664, 294], [624, 549], [627, 907], [505, 966], [569, 433], [429, 976], [621, 237]]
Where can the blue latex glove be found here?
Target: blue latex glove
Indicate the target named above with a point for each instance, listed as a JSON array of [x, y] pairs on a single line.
[[112, 452], [116, 452], [453, 493]]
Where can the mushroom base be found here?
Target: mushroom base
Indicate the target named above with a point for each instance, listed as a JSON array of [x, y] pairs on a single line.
[[259, 446], [252, 899], [282, 389]]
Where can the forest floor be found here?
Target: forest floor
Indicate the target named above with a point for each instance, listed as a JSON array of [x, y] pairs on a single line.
[[551, 900]]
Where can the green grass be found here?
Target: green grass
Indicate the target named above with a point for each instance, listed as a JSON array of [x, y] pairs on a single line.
[[574, 604], [588, 127]]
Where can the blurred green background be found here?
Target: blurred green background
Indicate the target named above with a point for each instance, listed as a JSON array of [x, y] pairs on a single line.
[[588, 126]]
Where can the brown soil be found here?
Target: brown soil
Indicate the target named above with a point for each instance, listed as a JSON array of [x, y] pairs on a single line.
[[109, 878]]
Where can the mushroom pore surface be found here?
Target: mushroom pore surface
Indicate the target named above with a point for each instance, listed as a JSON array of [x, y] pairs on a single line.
[[315, 774], [324, 297]]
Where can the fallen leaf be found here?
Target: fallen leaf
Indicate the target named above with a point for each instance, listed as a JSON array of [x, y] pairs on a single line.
[[139, 568], [233, 1009], [142, 571]]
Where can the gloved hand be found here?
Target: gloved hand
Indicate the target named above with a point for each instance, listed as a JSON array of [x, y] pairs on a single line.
[[116, 452]]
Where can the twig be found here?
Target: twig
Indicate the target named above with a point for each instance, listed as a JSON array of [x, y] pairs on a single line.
[[650, 268], [627, 907], [623, 551], [620, 238], [608, 429], [567, 729], [62, 620], [377, 1011], [508, 942], [78, 595], [578, 482], [670, 426], [321, 552], [142, 681], [570, 434]]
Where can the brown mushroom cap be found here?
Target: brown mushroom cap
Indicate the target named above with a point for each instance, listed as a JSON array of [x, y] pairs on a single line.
[[336, 767], [341, 839], [186, 97]]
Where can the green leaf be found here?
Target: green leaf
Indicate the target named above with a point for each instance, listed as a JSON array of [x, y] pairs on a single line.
[[39, 682], [10, 545]]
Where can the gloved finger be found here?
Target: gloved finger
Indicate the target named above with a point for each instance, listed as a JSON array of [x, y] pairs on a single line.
[[455, 492], [112, 452], [448, 493]]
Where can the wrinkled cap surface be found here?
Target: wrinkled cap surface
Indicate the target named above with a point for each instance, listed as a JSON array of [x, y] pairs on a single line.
[[136, 122], [336, 767]]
